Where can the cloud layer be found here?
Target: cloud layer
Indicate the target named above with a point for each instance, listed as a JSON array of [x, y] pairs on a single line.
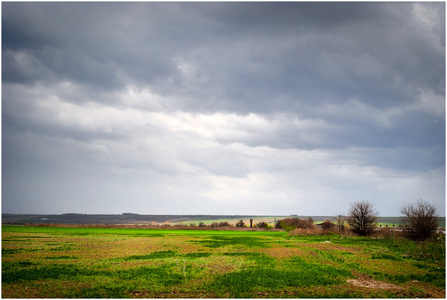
[[222, 108]]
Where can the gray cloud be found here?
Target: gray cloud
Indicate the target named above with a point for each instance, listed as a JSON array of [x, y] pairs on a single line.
[[220, 102], [308, 50]]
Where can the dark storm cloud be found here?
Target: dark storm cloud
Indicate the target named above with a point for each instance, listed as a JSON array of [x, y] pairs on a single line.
[[313, 51], [257, 50], [204, 98]]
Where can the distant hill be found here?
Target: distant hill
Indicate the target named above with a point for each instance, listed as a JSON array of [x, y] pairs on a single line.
[[125, 218]]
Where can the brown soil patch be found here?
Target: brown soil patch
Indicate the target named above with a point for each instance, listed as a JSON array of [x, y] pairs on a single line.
[[221, 265], [282, 252], [330, 246], [430, 291], [172, 294], [373, 284], [426, 291]]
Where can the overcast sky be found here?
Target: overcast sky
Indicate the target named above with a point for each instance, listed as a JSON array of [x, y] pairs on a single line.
[[222, 108]]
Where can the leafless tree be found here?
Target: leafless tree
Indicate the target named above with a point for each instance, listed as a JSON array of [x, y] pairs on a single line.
[[420, 220], [362, 218], [340, 220]]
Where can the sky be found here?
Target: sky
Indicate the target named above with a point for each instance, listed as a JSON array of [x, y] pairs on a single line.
[[222, 108]]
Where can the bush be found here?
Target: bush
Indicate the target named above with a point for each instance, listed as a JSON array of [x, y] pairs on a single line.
[[201, 224], [420, 220], [327, 225], [292, 223], [362, 218], [224, 224], [264, 225], [214, 224], [240, 224]]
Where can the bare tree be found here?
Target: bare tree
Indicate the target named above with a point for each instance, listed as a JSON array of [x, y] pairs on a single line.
[[362, 218], [340, 221], [420, 220]]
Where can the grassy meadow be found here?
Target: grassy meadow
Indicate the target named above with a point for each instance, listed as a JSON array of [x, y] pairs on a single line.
[[75, 262]]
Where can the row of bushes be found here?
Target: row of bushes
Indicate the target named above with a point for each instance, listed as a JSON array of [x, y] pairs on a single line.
[[214, 224], [293, 223], [379, 232], [240, 223], [286, 224]]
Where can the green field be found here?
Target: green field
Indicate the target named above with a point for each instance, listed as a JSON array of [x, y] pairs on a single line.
[[70, 262]]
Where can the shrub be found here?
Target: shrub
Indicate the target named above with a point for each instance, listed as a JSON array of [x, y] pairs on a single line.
[[264, 225], [292, 223], [224, 224], [214, 224], [420, 220], [201, 224], [362, 218], [327, 225], [240, 224]]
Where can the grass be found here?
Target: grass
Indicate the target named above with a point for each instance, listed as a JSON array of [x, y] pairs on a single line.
[[243, 283], [153, 255], [224, 241], [52, 262]]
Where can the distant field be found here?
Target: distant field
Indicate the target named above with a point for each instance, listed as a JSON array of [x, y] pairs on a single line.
[[129, 218], [384, 221], [232, 220], [71, 262]]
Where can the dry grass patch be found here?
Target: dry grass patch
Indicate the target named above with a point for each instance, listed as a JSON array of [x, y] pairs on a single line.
[[283, 252], [224, 264], [186, 246], [108, 249], [332, 246], [40, 289], [427, 291], [393, 267]]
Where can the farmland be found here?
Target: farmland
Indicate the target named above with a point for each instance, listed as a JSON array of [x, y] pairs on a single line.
[[89, 262]]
